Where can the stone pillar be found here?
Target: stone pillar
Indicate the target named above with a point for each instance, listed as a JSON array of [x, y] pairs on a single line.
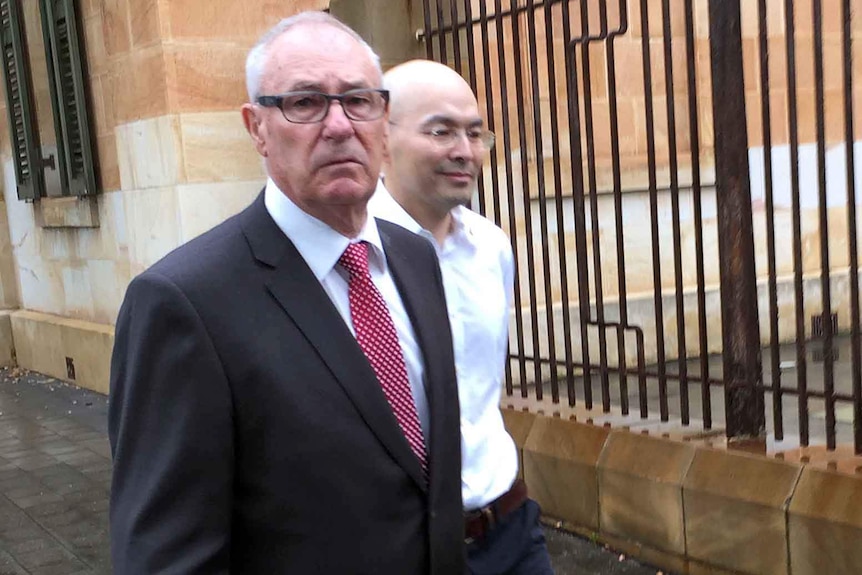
[[389, 26]]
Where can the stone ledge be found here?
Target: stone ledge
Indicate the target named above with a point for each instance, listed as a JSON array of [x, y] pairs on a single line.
[[799, 511], [640, 485], [561, 468], [518, 424], [67, 212], [72, 350], [736, 510], [825, 523]]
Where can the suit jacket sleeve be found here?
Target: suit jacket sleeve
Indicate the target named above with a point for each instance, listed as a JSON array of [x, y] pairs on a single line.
[[170, 427]]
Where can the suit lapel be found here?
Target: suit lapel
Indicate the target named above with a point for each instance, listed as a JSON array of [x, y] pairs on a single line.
[[298, 292], [413, 286], [410, 287]]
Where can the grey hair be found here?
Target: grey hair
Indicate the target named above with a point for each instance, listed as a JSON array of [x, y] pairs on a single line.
[[256, 60]]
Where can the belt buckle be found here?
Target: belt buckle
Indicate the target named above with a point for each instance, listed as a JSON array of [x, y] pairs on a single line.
[[487, 516]]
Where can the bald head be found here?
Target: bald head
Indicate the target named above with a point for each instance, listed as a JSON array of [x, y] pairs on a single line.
[[419, 83]]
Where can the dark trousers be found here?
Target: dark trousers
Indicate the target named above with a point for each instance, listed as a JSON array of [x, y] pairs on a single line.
[[515, 546]]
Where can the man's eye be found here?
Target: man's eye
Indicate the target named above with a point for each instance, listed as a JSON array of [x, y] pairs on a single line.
[[474, 134], [302, 102], [358, 100], [441, 132]]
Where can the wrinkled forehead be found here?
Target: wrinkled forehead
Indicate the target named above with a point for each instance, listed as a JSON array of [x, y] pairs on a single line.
[[318, 57]]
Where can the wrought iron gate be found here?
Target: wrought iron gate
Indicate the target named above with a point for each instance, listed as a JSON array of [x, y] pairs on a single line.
[[652, 211]]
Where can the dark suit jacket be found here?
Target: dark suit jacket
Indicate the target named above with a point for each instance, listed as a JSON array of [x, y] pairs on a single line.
[[248, 431]]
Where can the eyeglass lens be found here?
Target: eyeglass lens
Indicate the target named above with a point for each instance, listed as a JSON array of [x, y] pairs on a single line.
[[306, 107]]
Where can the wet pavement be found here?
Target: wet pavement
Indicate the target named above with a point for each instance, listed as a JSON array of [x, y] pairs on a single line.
[[55, 469]]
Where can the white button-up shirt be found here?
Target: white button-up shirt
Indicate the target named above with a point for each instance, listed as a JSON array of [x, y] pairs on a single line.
[[321, 247], [478, 272]]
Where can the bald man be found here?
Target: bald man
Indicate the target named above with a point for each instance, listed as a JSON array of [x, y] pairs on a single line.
[[437, 144]]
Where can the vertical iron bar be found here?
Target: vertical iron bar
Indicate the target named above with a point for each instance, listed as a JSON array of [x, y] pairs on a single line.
[[489, 107], [558, 198], [799, 302], [471, 71], [855, 345], [694, 137], [618, 206], [580, 218], [441, 36], [653, 194], [513, 229], [826, 288], [740, 330], [774, 343], [528, 214], [674, 198], [642, 385], [543, 199], [603, 19], [471, 44], [492, 156], [428, 37], [456, 35], [594, 207]]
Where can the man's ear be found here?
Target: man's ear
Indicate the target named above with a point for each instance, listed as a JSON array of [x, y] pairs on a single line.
[[253, 125]]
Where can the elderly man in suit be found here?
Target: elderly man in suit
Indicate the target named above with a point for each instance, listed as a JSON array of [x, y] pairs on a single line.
[[283, 394]]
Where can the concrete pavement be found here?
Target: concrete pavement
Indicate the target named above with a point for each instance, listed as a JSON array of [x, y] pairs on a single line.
[[55, 471]]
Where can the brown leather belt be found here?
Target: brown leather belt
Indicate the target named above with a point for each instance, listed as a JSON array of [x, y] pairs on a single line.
[[478, 522]]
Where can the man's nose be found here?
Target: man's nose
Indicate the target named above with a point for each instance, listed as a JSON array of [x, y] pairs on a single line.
[[462, 148], [336, 123]]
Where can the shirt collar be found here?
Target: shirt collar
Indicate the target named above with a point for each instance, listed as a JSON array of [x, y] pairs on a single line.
[[460, 229], [318, 244]]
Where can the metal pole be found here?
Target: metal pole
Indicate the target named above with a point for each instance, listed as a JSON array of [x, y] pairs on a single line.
[[740, 331]]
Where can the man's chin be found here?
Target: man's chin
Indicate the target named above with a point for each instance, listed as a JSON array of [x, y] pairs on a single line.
[[460, 196], [348, 191]]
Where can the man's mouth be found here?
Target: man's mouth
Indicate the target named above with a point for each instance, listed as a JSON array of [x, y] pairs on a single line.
[[459, 176], [340, 161]]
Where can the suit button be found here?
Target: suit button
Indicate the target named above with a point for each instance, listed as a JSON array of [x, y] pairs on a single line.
[[433, 515]]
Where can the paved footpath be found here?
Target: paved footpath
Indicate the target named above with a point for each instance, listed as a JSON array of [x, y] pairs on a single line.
[[55, 471]]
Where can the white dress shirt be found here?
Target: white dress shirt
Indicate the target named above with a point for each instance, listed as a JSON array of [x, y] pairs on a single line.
[[321, 247], [478, 272]]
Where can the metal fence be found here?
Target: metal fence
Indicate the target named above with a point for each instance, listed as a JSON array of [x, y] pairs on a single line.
[[678, 180]]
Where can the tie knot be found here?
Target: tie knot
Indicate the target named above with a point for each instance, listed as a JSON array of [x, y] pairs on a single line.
[[355, 259]]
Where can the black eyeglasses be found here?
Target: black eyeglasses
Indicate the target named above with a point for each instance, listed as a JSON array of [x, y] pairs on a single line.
[[362, 105]]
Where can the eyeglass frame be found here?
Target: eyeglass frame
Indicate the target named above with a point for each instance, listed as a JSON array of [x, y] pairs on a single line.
[[276, 101], [459, 130]]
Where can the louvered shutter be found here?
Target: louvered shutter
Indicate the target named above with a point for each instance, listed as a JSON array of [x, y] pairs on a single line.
[[64, 51], [19, 103]]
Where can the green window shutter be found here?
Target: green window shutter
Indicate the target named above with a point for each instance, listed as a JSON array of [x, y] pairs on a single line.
[[66, 65], [19, 103]]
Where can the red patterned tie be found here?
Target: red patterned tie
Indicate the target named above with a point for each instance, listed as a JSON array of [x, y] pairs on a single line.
[[378, 339]]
